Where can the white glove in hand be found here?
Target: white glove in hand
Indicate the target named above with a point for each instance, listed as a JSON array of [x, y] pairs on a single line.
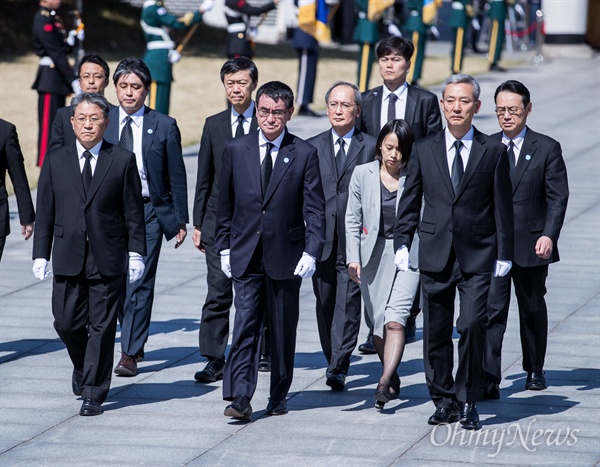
[[306, 266], [136, 267], [502, 268], [174, 56], [81, 35], [39, 269], [206, 5], [401, 259], [76, 87], [435, 32], [475, 24], [393, 30], [71, 37], [225, 266]]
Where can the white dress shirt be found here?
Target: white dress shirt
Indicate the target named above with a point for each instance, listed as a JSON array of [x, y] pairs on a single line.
[[347, 140], [247, 119], [262, 146], [401, 92], [95, 151], [465, 149], [137, 127], [517, 143]]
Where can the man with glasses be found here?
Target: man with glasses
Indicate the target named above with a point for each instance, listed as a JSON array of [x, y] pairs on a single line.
[[93, 73], [339, 149], [540, 191], [91, 218], [270, 230]]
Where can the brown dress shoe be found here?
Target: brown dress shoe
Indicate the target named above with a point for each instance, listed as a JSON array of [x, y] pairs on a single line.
[[127, 366]]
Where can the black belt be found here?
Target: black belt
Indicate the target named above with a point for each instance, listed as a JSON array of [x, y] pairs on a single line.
[[146, 199]]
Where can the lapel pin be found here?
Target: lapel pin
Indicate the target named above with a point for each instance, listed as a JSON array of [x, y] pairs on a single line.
[[286, 160], [527, 157], [150, 131]]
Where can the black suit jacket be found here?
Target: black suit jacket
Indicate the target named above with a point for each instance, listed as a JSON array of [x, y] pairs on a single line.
[[216, 132], [477, 222], [540, 192], [112, 216], [335, 186], [422, 112], [290, 218], [11, 159], [163, 163]]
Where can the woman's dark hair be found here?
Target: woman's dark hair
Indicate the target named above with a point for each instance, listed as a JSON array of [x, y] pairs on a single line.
[[405, 135]]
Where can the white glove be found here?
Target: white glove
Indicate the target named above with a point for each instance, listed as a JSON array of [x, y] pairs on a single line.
[[435, 32], [71, 37], [306, 266], [502, 268], [40, 268], [76, 87], [519, 9], [174, 56], [136, 267], [393, 30], [225, 266], [252, 32], [401, 259], [206, 5], [475, 24]]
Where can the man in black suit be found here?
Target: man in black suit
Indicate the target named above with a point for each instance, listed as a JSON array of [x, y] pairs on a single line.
[[11, 159], [240, 78], [540, 191], [466, 234], [156, 142], [397, 99], [90, 215], [93, 73], [271, 223], [339, 150]]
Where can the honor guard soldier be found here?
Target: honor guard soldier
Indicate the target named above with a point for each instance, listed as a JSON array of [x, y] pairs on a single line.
[[55, 78], [366, 35], [497, 13], [422, 13], [160, 49], [239, 33], [462, 12]]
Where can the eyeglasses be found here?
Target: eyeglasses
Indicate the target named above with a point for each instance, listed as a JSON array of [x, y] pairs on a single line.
[[500, 111], [276, 113], [94, 120], [96, 76], [346, 106]]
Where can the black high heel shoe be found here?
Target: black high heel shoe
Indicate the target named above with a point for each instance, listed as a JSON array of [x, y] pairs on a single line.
[[382, 396]]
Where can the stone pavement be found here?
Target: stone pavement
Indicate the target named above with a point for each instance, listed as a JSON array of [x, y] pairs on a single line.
[[163, 417]]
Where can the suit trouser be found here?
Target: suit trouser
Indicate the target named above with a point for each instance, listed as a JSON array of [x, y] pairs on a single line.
[[85, 309], [530, 289], [439, 292], [139, 295], [338, 310], [254, 291], [307, 75], [48, 105]]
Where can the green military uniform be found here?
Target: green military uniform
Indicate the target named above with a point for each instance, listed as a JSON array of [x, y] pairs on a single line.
[[461, 14], [418, 35], [497, 13], [156, 22], [366, 34]]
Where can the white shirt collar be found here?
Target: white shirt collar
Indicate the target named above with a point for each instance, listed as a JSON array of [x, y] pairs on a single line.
[[94, 151], [277, 142], [137, 117], [248, 113], [467, 140], [517, 140], [400, 92]]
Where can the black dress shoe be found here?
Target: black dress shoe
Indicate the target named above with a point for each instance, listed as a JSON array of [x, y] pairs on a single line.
[[410, 331], [446, 414], [90, 407], [127, 366], [240, 408], [264, 364], [496, 67], [368, 347], [470, 417], [212, 372], [492, 391], [277, 407], [305, 111], [535, 381], [336, 381], [76, 380]]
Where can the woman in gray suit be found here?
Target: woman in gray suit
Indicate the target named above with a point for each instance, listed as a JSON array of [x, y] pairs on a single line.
[[374, 191]]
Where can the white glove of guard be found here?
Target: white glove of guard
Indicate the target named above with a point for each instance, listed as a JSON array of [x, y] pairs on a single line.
[[71, 37], [174, 56], [136, 267], [393, 30], [519, 9], [40, 268], [306, 266], [225, 266], [206, 5], [435, 32], [76, 87], [252, 32], [401, 259], [502, 268], [81, 35]]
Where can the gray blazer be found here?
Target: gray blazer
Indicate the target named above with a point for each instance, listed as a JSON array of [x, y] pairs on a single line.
[[363, 215]]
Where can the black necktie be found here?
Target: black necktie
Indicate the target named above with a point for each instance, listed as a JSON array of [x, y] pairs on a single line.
[[340, 157], [239, 131], [392, 107], [126, 139], [457, 166], [266, 168], [86, 175], [511, 156]]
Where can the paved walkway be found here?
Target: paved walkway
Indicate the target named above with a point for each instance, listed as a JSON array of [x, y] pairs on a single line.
[[163, 417]]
